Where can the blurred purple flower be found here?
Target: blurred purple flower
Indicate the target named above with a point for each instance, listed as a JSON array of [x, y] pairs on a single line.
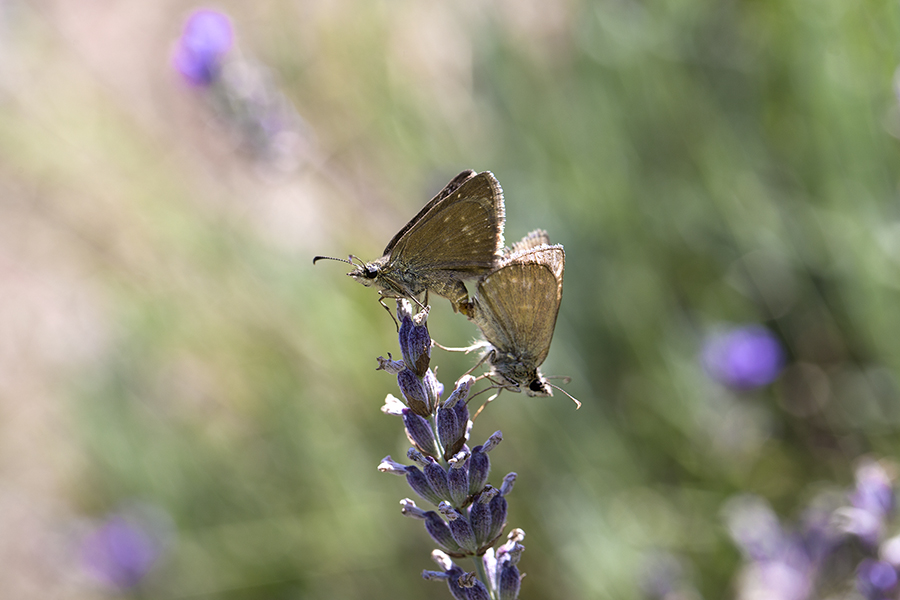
[[744, 357], [874, 489], [876, 579], [206, 38], [780, 564], [124, 547], [871, 503]]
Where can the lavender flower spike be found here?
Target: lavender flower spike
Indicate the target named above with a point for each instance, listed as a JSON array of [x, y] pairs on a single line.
[[471, 514]]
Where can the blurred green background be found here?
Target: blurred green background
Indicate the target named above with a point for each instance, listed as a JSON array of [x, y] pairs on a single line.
[[168, 349]]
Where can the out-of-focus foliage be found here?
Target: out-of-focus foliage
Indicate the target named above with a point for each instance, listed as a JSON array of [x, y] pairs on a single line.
[[190, 408]]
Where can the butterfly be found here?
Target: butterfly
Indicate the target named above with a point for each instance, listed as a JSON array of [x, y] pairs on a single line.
[[515, 306], [457, 236]]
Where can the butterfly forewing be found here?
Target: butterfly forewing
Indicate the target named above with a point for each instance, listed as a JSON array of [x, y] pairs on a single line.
[[451, 187], [518, 303], [460, 231]]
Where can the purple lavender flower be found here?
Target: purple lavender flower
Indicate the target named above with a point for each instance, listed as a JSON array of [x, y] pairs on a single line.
[[124, 547], [206, 38], [743, 358]]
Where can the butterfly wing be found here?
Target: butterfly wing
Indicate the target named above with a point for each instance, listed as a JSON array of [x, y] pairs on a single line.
[[517, 304], [460, 230], [536, 238], [451, 187]]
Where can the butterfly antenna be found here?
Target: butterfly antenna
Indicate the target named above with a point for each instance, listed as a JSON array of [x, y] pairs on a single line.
[[343, 260], [566, 379], [571, 397]]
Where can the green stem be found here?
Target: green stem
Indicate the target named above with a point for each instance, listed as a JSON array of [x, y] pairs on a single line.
[[482, 574]]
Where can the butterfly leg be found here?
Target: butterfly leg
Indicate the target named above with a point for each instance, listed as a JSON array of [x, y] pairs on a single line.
[[385, 306], [467, 349], [488, 356], [486, 402]]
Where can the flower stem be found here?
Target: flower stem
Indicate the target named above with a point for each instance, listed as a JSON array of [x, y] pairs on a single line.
[[482, 574]]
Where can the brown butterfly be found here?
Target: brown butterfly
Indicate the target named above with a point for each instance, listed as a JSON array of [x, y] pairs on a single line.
[[515, 307], [458, 235]]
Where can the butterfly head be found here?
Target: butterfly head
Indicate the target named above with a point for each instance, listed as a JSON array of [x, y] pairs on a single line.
[[538, 386], [517, 375], [366, 273]]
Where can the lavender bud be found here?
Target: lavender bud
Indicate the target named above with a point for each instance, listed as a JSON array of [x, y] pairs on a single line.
[[461, 410], [479, 469], [509, 582], [437, 477], [512, 550], [415, 393], [415, 344], [515, 537], [458, 592], [442, 560], [393, 406], [434, 389], [440, 532], [408, 508], [461, 393], [419, 483], [462, 415], [492, 441], [446, 426], [498, 508], [419, 432], [458, 479], [417, 457], [434, 575], [404, 309], [474, 588], [480, 516], [450, 431], [507, 485], [389, 465], [460, 528], [390, 365]]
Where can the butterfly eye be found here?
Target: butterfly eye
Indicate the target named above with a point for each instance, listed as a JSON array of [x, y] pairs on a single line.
[[536, 385], [371, 272]]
